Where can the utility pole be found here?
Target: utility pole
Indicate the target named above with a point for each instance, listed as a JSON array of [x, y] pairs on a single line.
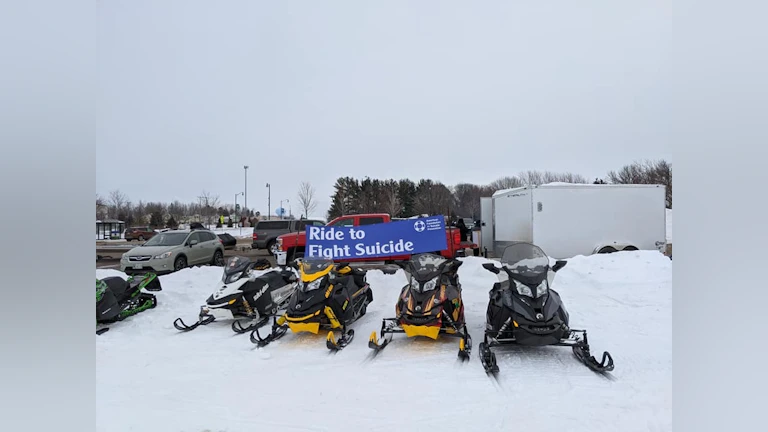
[[245, 206], [269, 197]]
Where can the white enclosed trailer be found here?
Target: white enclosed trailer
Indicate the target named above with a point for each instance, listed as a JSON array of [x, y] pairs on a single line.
[[568, 219]]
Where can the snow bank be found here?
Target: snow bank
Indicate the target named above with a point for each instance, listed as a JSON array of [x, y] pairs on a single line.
[[212, 379]]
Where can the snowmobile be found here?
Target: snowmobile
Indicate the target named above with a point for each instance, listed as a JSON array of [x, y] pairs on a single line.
[[328, 297], [430, 304], [524, 309], [118, 298], [244, 297]]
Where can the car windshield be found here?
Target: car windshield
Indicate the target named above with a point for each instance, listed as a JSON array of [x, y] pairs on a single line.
[[424, 267], [525, 259], [167, 239]]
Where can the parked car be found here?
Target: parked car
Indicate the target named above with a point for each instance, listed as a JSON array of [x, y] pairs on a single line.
[[227, 240], [265, 233], [139, 233], [174, 250]]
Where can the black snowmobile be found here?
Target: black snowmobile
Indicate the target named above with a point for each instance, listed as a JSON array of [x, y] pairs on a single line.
[[241, 296], [328, 297], [118, 298], [525, 310], [430, 304]]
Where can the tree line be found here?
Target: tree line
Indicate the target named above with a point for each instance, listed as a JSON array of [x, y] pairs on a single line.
[[405, 197], [399, 198]]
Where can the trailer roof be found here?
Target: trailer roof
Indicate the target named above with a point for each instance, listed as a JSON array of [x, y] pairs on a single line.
[[573, 185]]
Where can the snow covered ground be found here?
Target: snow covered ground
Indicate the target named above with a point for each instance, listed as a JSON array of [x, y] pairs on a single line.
[[152, 378]]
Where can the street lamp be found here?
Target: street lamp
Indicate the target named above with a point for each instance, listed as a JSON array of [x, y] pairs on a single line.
[[245, 206], [269, 197], [239, 193], [240, 225]]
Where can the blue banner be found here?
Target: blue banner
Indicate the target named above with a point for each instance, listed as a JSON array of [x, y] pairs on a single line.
[[382, 240]]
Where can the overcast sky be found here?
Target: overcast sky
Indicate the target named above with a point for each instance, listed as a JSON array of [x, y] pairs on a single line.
[[315, 90]]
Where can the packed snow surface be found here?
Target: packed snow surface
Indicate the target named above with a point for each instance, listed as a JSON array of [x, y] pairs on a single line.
[[150, 377]]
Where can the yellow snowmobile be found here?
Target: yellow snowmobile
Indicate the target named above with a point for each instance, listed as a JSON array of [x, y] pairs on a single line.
[[328, 297]]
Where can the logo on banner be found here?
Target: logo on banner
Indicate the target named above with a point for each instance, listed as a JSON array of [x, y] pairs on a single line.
[[419, 226]]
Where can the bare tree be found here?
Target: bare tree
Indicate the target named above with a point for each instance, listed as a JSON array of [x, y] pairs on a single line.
[[101, 208], [177, 210], [307, 198], [118, 201], [208, 204], [468, 200], [646, 172], [505, 183]]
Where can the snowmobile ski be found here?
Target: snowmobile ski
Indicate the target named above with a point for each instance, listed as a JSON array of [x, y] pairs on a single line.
[[488, 359], [278, 331], [239, 329], [581, 351], [373, 343], [102, 330], [337, 345], [203, 320]]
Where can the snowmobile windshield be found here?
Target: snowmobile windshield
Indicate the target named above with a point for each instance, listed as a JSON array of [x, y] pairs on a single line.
[[236, 264], [167, 239], [424, 271], [101, 288], [311, 266], [525, 260]]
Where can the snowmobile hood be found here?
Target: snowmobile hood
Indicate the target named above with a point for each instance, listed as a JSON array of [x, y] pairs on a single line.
[[149, 250]]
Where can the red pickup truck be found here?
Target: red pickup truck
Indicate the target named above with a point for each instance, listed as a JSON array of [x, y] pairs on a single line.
[[293, 243]]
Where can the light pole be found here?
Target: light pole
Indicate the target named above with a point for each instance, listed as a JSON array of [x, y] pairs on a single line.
[[269, 197], [245, 194], [236, 213], [239, 193]]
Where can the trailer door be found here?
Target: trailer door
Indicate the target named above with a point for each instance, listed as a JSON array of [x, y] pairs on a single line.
[[486, 223]]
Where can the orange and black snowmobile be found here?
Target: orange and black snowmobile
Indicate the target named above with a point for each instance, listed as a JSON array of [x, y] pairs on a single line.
[[429, 305]]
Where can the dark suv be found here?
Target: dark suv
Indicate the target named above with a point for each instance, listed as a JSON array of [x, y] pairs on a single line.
[[265, 233]]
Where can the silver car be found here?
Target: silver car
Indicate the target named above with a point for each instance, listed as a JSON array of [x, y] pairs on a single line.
[[171, 251]]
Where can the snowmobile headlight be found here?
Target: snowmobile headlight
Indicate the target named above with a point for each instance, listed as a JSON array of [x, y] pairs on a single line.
[[523, 289], [430, 284], [311, 286], [541, 289], [163, 255], [233, 277]]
